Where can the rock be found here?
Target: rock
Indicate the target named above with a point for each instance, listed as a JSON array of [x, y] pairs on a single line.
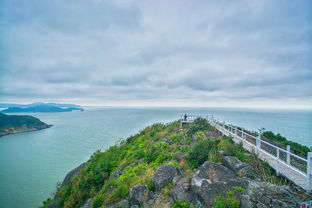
[[73, 172], [178, 130], [88, 204], [51, 205], [167, 140], [181, 192], [163, 175], [159, 200], [211, 180], [240, 168], [213, 134], [115, 174], [121, 204], [213, 172], [263, 194], [139, 194], [179, 157], [135, 206]]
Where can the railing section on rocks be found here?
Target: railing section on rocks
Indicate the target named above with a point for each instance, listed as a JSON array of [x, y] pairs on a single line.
[[292, 166]]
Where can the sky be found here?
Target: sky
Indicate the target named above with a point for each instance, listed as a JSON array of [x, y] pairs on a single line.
[[244, 53]]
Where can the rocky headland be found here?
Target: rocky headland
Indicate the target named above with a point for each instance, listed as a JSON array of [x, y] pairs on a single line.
[[165, 166], [12, 124]]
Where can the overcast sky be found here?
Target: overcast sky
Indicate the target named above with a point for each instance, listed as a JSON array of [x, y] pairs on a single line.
[[255, 53]]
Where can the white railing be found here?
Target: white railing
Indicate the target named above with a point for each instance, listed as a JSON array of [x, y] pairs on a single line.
[[259, 144]]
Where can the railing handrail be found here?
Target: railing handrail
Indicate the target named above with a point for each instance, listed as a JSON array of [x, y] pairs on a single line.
[[241, 135]]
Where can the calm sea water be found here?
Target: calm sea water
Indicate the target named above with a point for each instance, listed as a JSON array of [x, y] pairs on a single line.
[[32, 163]]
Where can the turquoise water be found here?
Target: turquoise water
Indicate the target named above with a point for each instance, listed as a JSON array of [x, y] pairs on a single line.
[[32, 163]]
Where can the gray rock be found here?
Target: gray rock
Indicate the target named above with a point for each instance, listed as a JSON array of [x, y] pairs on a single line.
[[135, 206], [240, 168], [213, 172], [139, 194], [121, 204], [73, 173], [211, 180], [51, 205], [88, 204], [167, 140], [178, 130], [163, 175], [181, 192], [115, 174], [213, 134], [263, 194], [179, 157]]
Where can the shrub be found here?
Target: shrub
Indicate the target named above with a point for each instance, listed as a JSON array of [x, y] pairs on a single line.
[[226, 202], [228, 146], [199, 153], [214, 157], [184, 149], [97, 201], [199, 124], [180, 204]]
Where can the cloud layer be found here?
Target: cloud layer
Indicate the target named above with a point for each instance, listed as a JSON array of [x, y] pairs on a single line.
[[247, 53]]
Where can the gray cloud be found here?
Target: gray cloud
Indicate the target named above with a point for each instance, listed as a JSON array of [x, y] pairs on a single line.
[[165, 53]]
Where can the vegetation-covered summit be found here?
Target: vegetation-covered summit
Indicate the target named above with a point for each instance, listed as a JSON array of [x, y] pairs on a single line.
[[166, 166], [18, 123]]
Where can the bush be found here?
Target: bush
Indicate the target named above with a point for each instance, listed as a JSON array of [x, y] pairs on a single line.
[[199, 153], [180, 204], [199, 124], [226, 202], [97, 201]]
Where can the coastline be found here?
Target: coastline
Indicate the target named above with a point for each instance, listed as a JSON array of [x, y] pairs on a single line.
[[21, 130]]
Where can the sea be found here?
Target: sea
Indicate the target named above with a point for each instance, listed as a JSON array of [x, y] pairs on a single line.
[[32, 163]]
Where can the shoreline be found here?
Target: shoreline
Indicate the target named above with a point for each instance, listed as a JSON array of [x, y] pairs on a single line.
[[16, 131]]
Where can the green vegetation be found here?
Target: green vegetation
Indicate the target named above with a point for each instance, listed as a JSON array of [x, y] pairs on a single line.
[[281, 141], [110, 175], [11, 123], [179, 204], [228, 201]]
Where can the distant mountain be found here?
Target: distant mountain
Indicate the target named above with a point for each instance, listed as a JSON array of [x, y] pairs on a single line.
[[39, 108], [60, 105], [11, 124]]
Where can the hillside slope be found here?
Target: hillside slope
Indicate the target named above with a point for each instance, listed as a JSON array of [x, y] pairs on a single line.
[[165, 166], [10, 124]]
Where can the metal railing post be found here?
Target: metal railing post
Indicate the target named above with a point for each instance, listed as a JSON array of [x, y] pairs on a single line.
[[277, 154], [258, 142], [235, 130], [309, 171], [288, 155]]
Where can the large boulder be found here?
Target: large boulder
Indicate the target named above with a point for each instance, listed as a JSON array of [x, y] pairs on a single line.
[[139, 194], [181, 192], [121, 204], [265, 195], [240, 168], [163, 175], [213, 134], [73, 173], [210, 181], [212, 172]]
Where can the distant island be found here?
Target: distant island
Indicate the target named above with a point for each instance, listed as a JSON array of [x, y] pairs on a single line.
[[11, 124], [39, 107]]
